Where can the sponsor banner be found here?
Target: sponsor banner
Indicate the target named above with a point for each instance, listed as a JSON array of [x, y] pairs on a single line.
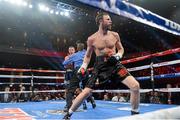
[[136, 13]]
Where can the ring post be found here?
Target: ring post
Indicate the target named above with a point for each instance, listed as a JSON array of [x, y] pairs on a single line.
[[152, 77]]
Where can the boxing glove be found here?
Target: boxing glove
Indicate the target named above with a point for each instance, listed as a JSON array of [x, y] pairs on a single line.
[[82, 69], [114, 59]]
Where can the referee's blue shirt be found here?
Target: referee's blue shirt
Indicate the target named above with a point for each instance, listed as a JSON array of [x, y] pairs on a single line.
[[76, 58]]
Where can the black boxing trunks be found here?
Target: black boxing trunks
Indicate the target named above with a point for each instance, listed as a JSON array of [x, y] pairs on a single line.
[[105, 72], [68, 76]]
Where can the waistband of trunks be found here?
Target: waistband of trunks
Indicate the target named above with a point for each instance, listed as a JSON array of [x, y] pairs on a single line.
[[101, 58]]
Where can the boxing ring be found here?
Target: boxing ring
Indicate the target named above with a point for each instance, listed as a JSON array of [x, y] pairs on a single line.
[[49, 110], [37, 109], [52, 109]]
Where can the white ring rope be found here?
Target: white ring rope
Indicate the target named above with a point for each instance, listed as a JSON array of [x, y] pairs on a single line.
[[154, 65], [27, 76], [97, 91], [31, 70], [141, 90], [129, 69], [35, 91], [8, 83]]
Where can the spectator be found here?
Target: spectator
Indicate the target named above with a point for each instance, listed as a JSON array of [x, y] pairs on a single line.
[[118, 98], [106, 97], [6, 97], [154, 98]]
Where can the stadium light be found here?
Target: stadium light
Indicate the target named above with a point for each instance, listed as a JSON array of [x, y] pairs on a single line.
[[64, 8], [42, 7], [62, 13], [57, 13], [24, 3], [30, 6], [66, 13], [51, 11]]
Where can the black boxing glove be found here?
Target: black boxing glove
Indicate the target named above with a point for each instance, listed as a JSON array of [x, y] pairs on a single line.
[[114, 59]]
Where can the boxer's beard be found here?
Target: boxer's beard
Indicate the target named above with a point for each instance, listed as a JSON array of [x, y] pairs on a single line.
[[108, 27]]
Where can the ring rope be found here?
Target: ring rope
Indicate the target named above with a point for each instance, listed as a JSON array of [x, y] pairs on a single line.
[[26, 76], [154, 65], [129, 69], [163, 53], [109, 91], [167, 52], [141, 90], [30, 70], [8, 83], [171, 75]]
